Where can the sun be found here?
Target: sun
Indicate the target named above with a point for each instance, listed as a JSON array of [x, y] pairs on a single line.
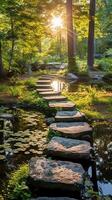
[[57, 22]]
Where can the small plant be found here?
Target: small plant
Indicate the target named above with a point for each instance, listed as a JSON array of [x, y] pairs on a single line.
[[31, 82], [16, 91], [17, 188]]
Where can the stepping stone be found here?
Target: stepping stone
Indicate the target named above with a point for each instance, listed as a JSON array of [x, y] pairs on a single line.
[[55, 98], [69, 148], [44, 86], [71, 129], [53, 198], [69, 116], [49, 93], [44, 90], [43, 82], [60, 175], [65, 105]]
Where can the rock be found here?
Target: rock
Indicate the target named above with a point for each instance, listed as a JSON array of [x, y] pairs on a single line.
[[55, 98], [67, 105], [69, 116], [71, 76], [71, 129], [52, 93], [60, 175], [68, 148], [44, 90], [53, 198], [45, 86], [50, 120], [43, 81]]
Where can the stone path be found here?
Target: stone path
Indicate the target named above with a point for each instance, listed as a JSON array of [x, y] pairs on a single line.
[[61, 171], [71, 129], [69, 116], [69, 149], [47, 93], [55, 98], [63, 105]]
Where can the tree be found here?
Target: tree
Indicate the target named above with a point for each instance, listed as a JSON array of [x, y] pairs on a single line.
[[91, 35], [70, 37]]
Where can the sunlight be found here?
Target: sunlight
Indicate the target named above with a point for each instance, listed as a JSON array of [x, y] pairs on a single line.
[[57, 85], [57, 22]]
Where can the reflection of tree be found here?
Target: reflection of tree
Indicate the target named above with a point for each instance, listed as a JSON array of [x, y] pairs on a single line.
[[103, 137]]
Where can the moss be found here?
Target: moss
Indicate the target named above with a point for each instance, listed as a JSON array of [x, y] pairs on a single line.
[[95, 102]]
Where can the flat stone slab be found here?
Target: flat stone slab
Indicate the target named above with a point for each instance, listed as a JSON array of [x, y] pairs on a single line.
[[52, 93], [43, 81], [44, 86], [67, 105], [53, 198], [44, 90], [69, 148], [69, 116], [50, 174], [55, 98], [71, 129]]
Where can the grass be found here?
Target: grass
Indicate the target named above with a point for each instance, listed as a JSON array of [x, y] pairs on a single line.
[[17, 188], [93, 101]]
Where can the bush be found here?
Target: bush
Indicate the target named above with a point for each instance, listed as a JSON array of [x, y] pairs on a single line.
[[105, 64], [17, 188]]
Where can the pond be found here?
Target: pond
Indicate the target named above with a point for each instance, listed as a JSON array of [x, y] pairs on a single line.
[[25, 136]]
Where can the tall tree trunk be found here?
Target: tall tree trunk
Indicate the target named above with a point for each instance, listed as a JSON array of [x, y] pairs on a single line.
[[1, 63], [91, 35], [71, 38], [12, 45]]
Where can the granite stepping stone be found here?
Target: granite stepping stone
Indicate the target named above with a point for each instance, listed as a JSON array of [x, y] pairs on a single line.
[[52, 93], [71, 129], [64, 105], [44, 90], [69, 148], [44, 86], [53, 198], [55, 98], [69, 116], [60, 175], [44, 82]]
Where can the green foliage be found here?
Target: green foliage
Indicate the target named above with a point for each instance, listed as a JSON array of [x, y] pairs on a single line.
[[16, 91], [105, 64], [93, 101], [17, 188]]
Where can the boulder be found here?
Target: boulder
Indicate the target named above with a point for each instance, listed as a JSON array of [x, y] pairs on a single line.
[[71, 76]]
